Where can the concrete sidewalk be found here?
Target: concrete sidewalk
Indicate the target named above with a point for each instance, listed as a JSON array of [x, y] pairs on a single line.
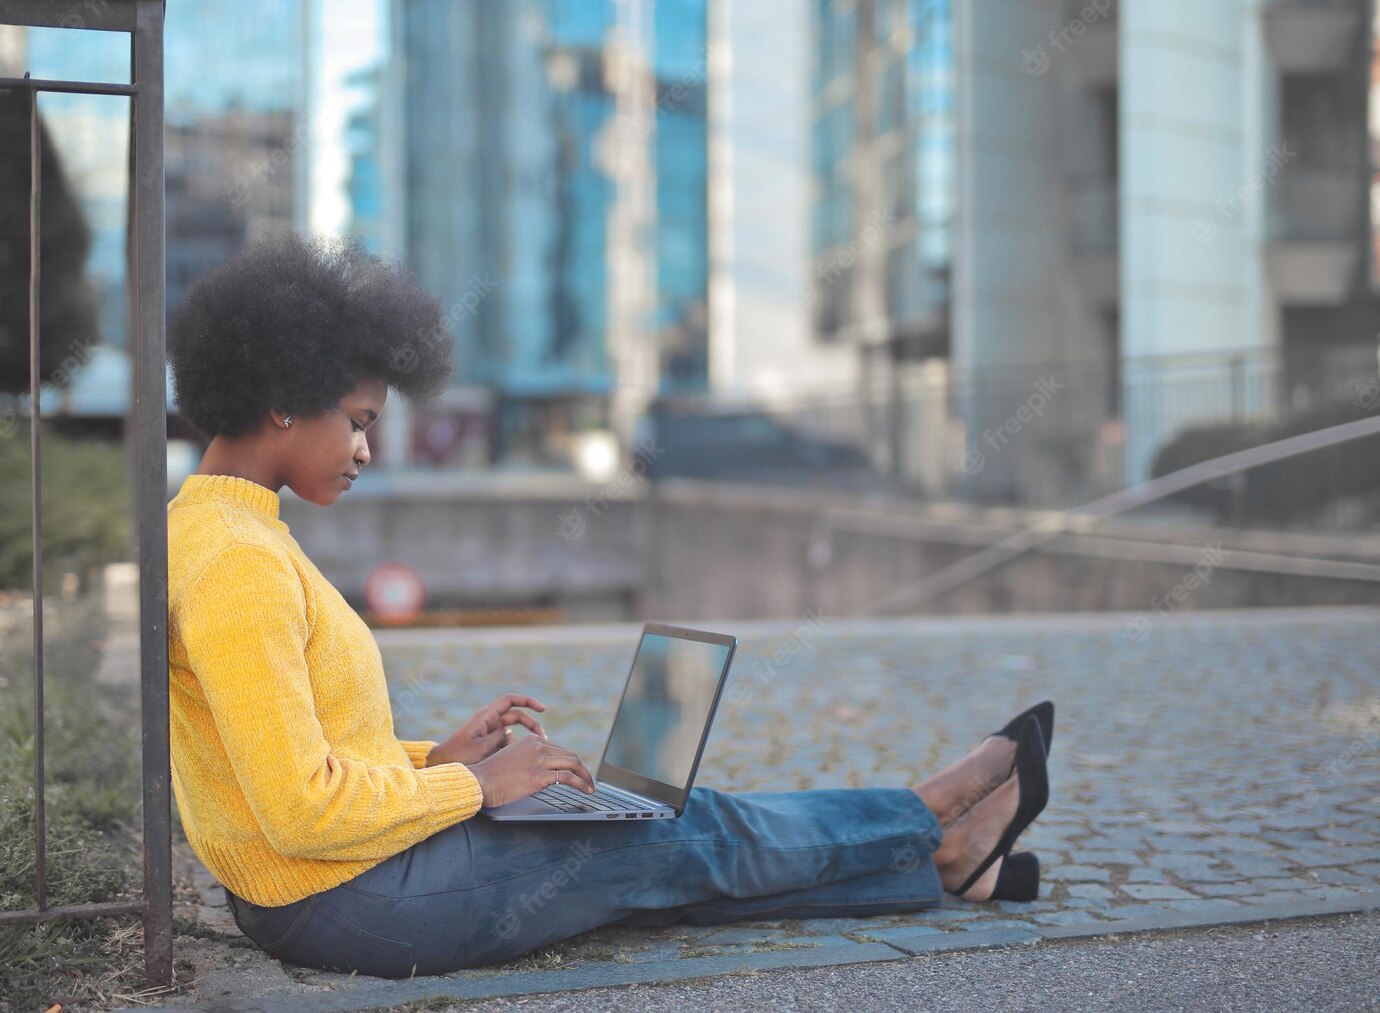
[[1210, 768], [1314, 964]]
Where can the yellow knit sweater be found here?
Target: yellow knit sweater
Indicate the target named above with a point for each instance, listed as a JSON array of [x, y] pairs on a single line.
[[286, 771]]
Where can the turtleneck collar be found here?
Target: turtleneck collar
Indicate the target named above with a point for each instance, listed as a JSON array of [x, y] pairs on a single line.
[[208, 488]]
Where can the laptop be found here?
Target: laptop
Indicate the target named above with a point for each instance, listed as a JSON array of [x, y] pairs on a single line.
[[657, 738]]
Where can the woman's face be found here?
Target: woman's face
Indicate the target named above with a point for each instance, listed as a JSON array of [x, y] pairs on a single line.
[[326, 451]]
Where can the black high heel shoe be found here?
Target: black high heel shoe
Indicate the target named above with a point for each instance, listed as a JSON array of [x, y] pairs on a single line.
[[1033, 785], [1043, 712], [1018, 878]]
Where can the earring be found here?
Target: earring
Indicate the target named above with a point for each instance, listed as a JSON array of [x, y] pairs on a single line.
[[287, 421]]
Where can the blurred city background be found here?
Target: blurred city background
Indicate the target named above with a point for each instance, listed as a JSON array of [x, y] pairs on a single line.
[[767, 308]]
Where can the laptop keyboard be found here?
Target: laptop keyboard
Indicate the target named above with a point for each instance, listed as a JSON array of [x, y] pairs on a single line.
[[572, 800]]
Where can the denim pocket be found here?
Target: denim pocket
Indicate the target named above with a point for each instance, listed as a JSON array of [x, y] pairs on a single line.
[[333, 942], [271, 927]]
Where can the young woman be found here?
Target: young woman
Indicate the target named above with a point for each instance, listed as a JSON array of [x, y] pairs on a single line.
[[340, 845]]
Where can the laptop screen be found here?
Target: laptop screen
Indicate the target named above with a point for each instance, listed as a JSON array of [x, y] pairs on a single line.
[[665, 707]]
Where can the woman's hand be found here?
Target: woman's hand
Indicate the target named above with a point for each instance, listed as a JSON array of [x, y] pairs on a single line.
[[487, 731], [528, 766]]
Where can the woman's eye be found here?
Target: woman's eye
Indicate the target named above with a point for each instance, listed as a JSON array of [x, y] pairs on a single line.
[[357, 427]]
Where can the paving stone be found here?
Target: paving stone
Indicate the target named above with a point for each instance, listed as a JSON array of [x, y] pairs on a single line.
[[1183, 827], [1101, 857], [1204, 904], [1259, 866], [1154, 891], [1145, 874], [1089, 891], [946, 915], [1078, 874], [1237, 843], [1239, 825], [1021, 907], [1276, 897], [1177, 845], [1115, 840], [994, 923], [1348, 835], [1341, 877], [1067, 918], [1320, 854], [1285, 820], [1196, 868], [1334, 892], [1226, 889]]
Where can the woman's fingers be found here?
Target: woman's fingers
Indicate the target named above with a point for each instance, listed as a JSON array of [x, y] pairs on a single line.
[[579, 774], [510, 700], [524, 719]]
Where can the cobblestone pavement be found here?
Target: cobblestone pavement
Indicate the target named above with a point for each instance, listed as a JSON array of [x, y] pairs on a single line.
[[1206, 767]]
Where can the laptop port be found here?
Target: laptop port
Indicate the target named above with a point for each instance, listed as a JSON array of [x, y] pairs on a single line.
[[646, 816], [611, 816]]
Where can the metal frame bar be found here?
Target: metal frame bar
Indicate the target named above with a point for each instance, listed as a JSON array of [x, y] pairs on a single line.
[[36, 493], [150, 357], [143, 20], [97, 15]]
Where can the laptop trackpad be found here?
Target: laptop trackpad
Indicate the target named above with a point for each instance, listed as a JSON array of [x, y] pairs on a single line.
[[522, 807]]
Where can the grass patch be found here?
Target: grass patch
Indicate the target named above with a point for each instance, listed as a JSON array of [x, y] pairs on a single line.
[[93, 806]]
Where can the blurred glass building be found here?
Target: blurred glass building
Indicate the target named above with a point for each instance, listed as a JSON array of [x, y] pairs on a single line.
[[550, 148], [1162, 203]]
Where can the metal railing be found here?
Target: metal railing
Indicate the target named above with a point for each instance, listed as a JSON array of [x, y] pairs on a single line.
[[143, 21]]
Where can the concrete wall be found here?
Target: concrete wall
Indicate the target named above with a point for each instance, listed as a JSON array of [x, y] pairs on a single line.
[[698, 552]]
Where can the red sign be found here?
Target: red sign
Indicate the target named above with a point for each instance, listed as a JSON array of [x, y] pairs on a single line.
[[394, 592]]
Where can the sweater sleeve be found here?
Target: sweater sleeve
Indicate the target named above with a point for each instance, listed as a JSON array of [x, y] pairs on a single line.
[[417, 751], [244, 626]]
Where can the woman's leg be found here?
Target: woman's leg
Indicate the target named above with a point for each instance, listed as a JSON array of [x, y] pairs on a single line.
[[481, 892]]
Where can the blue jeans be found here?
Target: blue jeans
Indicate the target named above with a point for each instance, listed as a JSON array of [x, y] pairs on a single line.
[[482, 892]]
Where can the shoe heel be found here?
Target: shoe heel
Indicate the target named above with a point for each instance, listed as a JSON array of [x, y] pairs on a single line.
[[1018, 878]]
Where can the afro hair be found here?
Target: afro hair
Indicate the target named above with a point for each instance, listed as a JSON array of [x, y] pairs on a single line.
[[295, 324]]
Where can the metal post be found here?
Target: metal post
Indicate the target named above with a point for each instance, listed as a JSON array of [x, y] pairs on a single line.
[[36, 473], [152, 483]]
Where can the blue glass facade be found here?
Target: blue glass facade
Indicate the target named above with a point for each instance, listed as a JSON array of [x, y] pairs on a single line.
[[509, 112], [234, 110], [904, 151], [681, 165]]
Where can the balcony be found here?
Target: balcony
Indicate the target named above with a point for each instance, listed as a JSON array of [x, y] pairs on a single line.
[[1316, 229], [1312, 36]]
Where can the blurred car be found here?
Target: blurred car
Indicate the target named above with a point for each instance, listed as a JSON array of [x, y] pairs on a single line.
[[748, 447]]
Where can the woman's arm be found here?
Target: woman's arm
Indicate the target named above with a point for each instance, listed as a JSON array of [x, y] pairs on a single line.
[[244, 626]]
